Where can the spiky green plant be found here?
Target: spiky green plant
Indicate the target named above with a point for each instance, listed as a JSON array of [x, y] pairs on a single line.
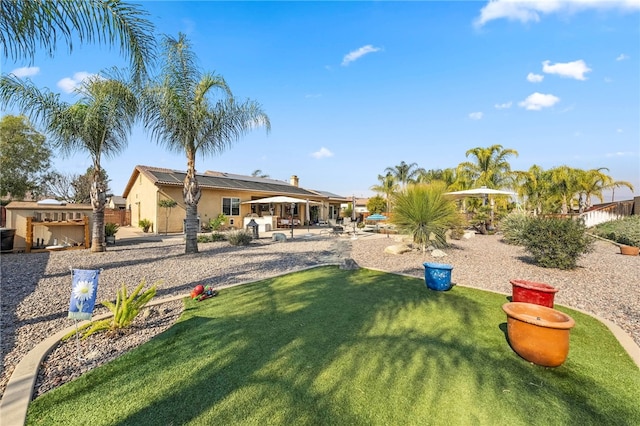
[[125, 310], [424, 212]]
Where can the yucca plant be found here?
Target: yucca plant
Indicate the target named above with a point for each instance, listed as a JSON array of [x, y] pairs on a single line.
[[424, 212], [125, 310]]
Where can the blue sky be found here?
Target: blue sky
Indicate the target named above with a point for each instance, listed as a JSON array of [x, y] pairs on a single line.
[[354, 87]]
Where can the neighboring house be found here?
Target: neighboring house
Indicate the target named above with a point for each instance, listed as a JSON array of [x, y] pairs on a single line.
[[117, 202], [52, 223], [360, 207], [221, 193]]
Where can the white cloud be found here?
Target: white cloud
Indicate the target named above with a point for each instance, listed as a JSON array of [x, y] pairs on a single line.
[[476, 115], [69, 84], [608, 80], [531, 10], [358, 53], [622, 57], [619, 131], [505, 105], [26, 72], [620, 154], [575, 69], [322, 153], [537, 101], [534, 78]]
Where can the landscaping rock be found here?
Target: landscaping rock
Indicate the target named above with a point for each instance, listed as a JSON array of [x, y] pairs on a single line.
[[349, 264], [438, 253], [397, 249], [278, 236]]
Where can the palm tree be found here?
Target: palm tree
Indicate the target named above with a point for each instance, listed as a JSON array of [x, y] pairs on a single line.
[[98, 124], [491, 168], [564, 184], [258, 173], [180, 112], [532, 187], [28, 25], [387, 187], [404, 173], [448, 176], [423, 210]]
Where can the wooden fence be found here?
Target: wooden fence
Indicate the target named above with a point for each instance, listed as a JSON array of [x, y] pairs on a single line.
[[118, 216]]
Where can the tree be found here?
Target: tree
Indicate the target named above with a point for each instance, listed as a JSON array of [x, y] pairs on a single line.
[[376, 204], [167, 204], [258, 173], [422, 211], [490, 168], [532, 187], [404, 173], [28, 25], [181, 112], [74, 188], [24, 157], [98, 124], [564, 184], [448, 176], [387, 187]]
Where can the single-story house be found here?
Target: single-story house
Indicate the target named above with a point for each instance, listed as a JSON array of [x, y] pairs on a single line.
[[230, 194], [49, 223]]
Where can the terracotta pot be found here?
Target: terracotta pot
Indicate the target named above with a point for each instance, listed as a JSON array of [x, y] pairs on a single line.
[[533, 292], [537, 333], [630, 250]]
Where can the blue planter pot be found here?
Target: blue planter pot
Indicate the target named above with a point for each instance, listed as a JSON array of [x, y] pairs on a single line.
[[437, 276]]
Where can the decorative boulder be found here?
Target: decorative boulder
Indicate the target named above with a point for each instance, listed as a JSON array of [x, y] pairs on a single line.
[[278, 236], [438, 253], [349, 264], [397, 249]]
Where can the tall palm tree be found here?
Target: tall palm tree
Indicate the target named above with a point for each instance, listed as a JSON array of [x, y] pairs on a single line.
[[99, 124], [181, 112], [422, 211], [404, 173], [490, 168], [27, 25], [387, 186], [448, 176]]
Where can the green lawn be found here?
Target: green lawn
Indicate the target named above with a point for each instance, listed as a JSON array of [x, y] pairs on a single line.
[[327, 346]]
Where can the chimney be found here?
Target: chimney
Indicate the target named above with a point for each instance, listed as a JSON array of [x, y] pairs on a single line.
[[294, 180]]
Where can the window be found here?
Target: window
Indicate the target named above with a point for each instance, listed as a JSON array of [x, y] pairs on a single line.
[[231, 206]]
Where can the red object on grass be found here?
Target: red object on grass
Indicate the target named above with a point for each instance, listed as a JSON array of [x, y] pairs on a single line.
[[533, 292]]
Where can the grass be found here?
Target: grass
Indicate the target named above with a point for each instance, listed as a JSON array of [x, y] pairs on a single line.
[[327, 346]]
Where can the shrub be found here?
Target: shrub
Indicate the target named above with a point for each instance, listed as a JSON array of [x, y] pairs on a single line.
[[110, 229], [211, 238], [125, 310], [556, 242], [424, 212], [623, 231], [239, 238], [145, 224], [513, 227], [215, 224]]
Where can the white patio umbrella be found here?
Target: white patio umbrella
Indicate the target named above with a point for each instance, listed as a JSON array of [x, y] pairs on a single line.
[[284, 200]]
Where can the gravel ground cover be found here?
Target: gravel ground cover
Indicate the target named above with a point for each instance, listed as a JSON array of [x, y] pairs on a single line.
[[35, 288]]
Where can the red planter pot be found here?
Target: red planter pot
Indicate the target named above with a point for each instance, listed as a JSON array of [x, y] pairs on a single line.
[[533, 292], [537, 333]]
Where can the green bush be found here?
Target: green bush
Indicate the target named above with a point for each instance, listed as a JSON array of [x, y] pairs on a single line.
[[145, 224], [110, 229], [623, 231], [556, 242], [125, 310], [513, 226], [211, 238], [239, 238]]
